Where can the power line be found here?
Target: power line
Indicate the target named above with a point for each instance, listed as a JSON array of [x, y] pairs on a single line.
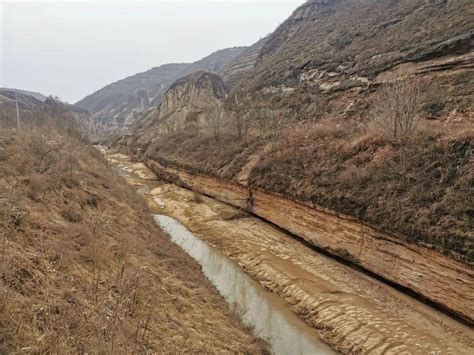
[[17, 111]]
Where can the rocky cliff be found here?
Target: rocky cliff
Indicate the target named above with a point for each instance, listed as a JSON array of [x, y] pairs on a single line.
[[119, 104], [192, 103], [430, 274]]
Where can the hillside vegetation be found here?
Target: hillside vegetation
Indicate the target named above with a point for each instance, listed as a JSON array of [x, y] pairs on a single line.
[[356, 171], [362, 37], [312, 119], [83, 267]]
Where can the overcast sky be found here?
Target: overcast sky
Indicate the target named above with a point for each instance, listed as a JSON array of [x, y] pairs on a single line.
[[73, 49]]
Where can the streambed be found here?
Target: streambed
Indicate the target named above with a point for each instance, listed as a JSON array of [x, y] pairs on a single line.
[[258, 308], [353, 312]]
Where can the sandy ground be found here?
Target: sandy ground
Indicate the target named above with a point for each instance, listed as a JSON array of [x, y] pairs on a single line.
[[350, 310]]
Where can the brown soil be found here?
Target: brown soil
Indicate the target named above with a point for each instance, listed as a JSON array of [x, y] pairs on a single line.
[[84, 269]]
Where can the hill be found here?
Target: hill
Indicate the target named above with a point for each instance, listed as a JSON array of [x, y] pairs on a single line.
[[36, 95], [237, 69], [119, 104], [359, 38], [312, 119], [25, 102], [84, 268], [32, 109]]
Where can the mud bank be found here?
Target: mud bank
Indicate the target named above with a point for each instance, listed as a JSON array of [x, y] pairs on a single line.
[[429, 273]]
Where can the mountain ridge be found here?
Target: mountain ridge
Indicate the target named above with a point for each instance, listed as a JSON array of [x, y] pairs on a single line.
[[118, 104], [306, 120]]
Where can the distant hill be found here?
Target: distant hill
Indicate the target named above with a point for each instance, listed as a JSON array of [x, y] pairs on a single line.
[[118, 104], [237, 69], [25, 100], [32, 107], [36, 95]]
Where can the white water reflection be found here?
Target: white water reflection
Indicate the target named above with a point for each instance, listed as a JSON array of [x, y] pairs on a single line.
[[270, 317], [159, 201]]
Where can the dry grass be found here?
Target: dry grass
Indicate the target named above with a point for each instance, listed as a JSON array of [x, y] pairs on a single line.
[[198, 151], [83, 267], [358, 172], [423, 193]]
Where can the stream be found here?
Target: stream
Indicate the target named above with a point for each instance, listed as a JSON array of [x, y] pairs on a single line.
[[257, 307], [270, 318]]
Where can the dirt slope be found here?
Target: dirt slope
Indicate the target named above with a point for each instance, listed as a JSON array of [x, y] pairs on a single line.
[[362, 37], [238, 69], [84, 268]]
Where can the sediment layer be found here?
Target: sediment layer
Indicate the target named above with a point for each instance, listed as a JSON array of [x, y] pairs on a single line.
[[427, 272], [352, 311]]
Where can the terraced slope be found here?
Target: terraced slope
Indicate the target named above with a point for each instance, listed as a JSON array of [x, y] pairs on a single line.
[[237, 69], [362, 38]]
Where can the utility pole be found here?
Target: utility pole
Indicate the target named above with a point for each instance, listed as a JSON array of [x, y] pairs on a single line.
[[17, 111]]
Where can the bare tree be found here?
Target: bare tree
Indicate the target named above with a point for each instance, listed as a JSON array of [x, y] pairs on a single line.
[[275, 129], [396, 114], [239, 119], [271, 124], [396, 109], [169, 125], [215, 119]]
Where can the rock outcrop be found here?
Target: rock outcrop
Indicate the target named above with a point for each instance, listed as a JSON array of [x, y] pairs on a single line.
[[193, 102], [120, 104], [436, 277], [189, 99], [337, 53]]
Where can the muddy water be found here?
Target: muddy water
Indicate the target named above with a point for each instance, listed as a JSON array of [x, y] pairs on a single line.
[[259, 308]]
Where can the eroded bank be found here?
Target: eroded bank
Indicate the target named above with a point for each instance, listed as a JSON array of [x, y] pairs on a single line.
[[351, 311], [427, 272]]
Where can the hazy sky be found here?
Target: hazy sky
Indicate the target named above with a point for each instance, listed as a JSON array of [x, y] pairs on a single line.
[[73, 49]]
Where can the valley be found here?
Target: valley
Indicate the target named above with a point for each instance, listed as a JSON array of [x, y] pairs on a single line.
[[304, 189], [352, 311]]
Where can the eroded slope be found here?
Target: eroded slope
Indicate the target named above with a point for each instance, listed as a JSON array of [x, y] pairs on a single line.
[[83, 266]]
